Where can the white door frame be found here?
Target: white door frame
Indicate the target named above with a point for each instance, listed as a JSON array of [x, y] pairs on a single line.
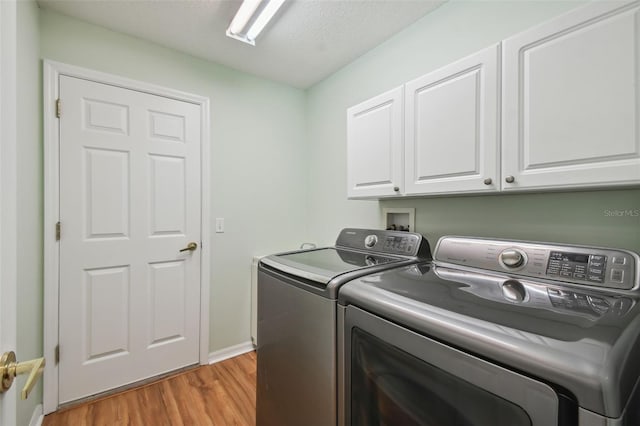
[[52, 72], [8, 194]]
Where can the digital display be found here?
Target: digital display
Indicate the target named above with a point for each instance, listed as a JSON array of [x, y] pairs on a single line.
[[570, 257], [579, 258]]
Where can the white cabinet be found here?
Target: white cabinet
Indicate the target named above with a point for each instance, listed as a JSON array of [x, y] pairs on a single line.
[[374, 148], [571, 101], [570, 116], [452, 127]]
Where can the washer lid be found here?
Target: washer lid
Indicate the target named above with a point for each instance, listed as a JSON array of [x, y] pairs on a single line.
[[322, 265]]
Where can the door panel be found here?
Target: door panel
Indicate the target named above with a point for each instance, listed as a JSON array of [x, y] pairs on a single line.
[[107, 200], [166, 126], [447, 113], [129, 201], [166, 293], [106, 313], [104, 116], [167, 187]]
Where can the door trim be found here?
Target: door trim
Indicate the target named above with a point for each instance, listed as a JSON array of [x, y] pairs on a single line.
[[51, 73], [8, 195]]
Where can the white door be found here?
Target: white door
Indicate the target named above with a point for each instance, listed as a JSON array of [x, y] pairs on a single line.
[[571, 100], [8, 285], [129, 202], [452, 127], [374, 146]]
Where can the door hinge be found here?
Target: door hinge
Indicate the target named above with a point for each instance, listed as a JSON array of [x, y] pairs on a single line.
[[58, 231], [58, 107], [57, 354]]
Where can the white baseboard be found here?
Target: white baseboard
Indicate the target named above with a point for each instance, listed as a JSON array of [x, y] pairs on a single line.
[[37, 417], [230, 352]]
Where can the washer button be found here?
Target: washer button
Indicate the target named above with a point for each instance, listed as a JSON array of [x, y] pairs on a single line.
[[617, 275], [619, 260]]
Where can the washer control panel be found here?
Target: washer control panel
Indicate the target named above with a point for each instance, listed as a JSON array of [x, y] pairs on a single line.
[[388, 242], [600, 267]]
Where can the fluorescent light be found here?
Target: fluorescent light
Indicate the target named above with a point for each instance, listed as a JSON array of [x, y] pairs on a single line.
[[243, 16], [263, 18], [251, 19]]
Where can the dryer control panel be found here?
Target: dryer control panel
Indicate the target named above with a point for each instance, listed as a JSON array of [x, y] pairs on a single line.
[[602, 267]]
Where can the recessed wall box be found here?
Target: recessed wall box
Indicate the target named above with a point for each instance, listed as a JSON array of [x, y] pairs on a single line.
[[399, 219]]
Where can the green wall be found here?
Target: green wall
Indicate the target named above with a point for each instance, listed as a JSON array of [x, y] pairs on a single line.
[[454, 30], [257, 155], [595, 218]]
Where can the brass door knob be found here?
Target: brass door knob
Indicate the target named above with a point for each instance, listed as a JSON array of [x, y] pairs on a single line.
[[9, 369], [190, 247]]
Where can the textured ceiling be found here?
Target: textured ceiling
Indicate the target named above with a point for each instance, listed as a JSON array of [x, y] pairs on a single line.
[[307, 41]]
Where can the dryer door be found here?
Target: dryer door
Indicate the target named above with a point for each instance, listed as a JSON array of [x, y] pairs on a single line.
[[396, 376]]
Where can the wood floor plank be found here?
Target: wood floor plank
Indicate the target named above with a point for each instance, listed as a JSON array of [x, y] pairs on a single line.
[[214, 395]]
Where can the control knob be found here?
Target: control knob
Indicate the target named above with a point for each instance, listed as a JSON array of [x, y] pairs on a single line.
[[512, 258], [370, 241]]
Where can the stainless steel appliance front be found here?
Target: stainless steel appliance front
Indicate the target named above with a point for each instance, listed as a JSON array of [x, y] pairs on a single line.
[[399, 377], [297, 291], [496, 341]]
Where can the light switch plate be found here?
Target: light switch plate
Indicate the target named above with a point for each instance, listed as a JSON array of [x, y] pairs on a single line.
[[219, 225]]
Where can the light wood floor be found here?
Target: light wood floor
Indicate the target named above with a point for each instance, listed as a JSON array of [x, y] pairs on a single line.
[[220, 394]]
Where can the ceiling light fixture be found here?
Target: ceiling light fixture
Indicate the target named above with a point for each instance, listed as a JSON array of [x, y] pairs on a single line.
[[251, 19]]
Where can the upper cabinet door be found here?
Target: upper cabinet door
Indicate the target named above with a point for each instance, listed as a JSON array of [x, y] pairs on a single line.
[[374, 146], [571, 100], [452, 127]]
